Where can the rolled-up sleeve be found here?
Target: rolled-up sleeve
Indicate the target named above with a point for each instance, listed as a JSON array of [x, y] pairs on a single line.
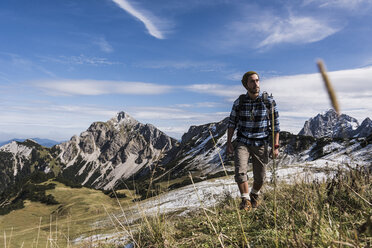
[[234, 118]]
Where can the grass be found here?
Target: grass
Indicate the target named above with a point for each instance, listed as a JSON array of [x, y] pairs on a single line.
[[79, 214], [317, 214]]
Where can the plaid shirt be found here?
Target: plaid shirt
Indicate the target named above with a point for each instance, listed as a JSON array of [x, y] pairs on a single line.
[[252, 120]]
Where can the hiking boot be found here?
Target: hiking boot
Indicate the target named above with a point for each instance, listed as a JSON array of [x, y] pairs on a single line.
[[245, 204], [255, 200]]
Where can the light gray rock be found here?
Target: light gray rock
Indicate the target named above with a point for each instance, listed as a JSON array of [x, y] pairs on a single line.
[[109, 152], [330, 125], [365, 129]]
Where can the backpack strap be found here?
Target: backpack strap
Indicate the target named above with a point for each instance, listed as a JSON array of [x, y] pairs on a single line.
[[268, 103], [241, 98]]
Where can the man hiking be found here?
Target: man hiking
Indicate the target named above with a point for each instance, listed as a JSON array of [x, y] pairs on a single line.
[[251, 114]]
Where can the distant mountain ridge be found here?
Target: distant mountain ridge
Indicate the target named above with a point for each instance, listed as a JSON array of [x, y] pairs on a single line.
[[44, 142], [122, 150], [331, 125]]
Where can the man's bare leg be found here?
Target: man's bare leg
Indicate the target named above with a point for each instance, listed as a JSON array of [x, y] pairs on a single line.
[[243, 188]]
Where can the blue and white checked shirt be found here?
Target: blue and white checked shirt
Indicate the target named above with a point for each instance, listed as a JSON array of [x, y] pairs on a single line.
[[252, 120]]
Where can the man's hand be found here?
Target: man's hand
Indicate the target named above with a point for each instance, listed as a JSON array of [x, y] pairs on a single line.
[[276, 152], [229, 148]]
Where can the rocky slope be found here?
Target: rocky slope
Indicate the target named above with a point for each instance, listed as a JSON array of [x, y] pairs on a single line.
[[108, 152], [199, 152], [365, 129], [19, 159]]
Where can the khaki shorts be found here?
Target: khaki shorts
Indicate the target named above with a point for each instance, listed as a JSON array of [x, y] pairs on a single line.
[[260, 157]]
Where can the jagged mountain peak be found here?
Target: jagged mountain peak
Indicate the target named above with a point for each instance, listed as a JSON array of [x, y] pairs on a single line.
[[367, 121], [123, 118], [195, 131], [330, 124], [365, 129], [108, 152]]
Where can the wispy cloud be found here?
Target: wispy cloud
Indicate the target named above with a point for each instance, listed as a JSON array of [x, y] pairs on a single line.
[[95, 87], [174, 121], [23, 64], [195, 65], [342, 4], [59, 122], [264, 27], [199, 105], [103, 44], [150, 26], [216, 89], [294, 29], [4, 77], [79, 60]]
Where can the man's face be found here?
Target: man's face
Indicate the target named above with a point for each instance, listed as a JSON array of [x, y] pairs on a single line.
[[253, 84]]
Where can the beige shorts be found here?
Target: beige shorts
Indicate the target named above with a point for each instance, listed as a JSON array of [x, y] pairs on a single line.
[[260, 157]]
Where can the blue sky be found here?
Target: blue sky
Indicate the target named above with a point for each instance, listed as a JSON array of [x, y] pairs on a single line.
[[65, 63]]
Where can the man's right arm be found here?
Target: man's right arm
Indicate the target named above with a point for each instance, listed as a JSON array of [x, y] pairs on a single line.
[[233, 121]]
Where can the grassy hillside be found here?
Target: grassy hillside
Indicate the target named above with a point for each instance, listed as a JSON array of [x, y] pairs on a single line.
[[335, 213], [76, 215]]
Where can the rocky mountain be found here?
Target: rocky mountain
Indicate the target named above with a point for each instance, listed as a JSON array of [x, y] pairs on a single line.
[[122, 149], [365, 129], [19, 159], [108, 152], [331, 125], [199, 152]]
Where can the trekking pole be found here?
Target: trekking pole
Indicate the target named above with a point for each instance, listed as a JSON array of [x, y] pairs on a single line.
[[274, 174]]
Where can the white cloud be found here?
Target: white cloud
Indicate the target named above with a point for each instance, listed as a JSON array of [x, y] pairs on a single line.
[[205, 66], [61, 122], [217, 89], [95, 87], [151, 28], [199, 105], [58, 122], [259, 27], [294, 29], [342, 4], [174, 121], [237, 76]]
